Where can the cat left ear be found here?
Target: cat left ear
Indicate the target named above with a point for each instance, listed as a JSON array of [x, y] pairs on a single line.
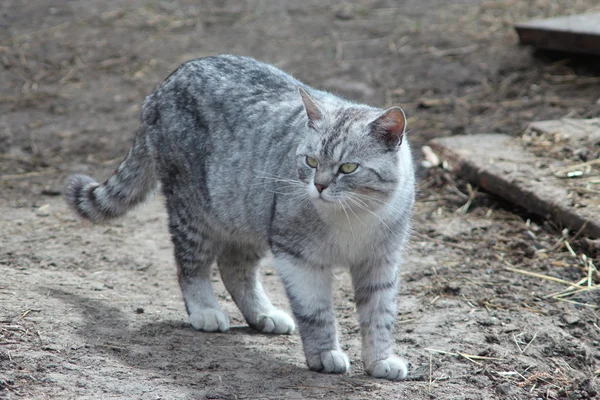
[[390, 126], [312, 110]]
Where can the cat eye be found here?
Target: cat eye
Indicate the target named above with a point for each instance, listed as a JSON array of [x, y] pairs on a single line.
[[311, 162], [348, 168]]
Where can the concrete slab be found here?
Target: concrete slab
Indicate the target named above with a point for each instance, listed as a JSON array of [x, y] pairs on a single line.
[[574, 33], [501, 165]]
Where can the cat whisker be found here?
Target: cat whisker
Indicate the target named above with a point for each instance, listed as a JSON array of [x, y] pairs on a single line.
[[277, 179], [304, 200], [273, 176], [300, 194], [289, 181], [284, 189], [279, 191], [295, 187], [352, 211], [347, 216], [371, 198], [361, 202], [371, 212]]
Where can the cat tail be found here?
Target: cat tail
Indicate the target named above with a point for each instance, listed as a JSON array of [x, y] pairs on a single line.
[[128, 186]]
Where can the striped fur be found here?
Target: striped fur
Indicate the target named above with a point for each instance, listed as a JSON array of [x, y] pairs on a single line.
[[228, 138], [129, 185]]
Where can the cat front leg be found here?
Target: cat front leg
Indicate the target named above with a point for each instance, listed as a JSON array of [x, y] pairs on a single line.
[[375, 287], [309, 291]]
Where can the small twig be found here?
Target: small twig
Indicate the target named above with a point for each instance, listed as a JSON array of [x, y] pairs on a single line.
[[559, 242], [585, 289], [567, 290], [574, 292], [307, 387], [441, 351], [480, 357], [454, 52], [454, 354], [580, 231], [444, 243], [465, 207], [577, 302], [591, 270], [570, 249], [430, 371], [405, 321], [564, 173], [113, 346], [26, 175], [517, 343], [528, 344], [44, 30], [470, 357], [541, 276]]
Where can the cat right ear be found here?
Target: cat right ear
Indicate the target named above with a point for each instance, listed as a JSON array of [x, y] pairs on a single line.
[[312, 109], [390, 126]]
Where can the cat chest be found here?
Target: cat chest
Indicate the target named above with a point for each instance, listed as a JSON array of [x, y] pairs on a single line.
[[346, 248]]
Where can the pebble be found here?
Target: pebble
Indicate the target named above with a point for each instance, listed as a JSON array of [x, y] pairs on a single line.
[[488, 321], [43, 211], [571, 319], [504, 389], [509, 328]]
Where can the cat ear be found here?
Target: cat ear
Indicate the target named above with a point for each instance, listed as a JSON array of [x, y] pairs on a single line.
[[390, 126], [312, 110]]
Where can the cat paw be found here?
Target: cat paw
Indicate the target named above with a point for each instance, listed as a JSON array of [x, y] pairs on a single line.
[[392, 368], [330, 362], [210, 320], [277, 322]]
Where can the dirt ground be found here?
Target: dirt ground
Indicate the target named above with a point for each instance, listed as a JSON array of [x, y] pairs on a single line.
[[95, 312]]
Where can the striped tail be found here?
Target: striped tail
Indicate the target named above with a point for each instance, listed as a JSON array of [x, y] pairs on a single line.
[[129, 185]]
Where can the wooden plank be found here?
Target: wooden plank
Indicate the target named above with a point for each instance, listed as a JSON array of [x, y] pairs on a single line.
[[574, 33], [501, 165]]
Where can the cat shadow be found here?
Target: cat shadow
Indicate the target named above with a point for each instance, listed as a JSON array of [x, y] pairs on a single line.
[[173, 349]]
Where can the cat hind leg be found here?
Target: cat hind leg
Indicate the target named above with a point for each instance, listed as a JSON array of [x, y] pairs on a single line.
[[194, 255], [239, 270]]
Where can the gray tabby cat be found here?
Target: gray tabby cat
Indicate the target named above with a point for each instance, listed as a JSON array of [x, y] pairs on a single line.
[[251, 160]]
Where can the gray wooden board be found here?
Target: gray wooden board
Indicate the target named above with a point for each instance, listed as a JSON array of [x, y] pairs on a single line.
[[501, 165], [574, 33]]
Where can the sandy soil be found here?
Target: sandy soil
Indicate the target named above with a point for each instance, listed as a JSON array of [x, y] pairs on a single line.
[[95, 311]]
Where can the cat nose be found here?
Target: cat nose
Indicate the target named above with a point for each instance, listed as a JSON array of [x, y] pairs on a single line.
[[320, 187]]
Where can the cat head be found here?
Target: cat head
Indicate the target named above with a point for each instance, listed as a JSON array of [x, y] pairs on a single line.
[[349, 157]]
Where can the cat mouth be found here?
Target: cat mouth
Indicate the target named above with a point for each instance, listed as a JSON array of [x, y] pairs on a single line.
[[327, 200], [324, 200]]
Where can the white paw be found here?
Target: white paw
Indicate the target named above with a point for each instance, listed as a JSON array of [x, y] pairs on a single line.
[[331, 362], [392, 368], [276, 322], [210, 320]]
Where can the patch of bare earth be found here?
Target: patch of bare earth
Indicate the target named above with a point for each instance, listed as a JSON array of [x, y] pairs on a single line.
[[95, 312]]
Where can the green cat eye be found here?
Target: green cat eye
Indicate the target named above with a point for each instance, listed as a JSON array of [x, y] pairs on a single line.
[[311, 162], [348, 168]]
